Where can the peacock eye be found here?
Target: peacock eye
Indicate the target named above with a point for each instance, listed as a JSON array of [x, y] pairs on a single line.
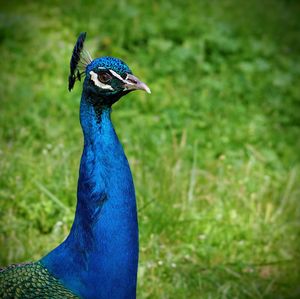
[[104, 77]]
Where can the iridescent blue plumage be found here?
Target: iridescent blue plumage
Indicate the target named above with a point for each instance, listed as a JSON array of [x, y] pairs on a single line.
[[99, 258], [100, 255], [110, 63]]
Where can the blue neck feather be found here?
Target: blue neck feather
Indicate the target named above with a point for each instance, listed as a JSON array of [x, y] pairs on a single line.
[[99, 258]]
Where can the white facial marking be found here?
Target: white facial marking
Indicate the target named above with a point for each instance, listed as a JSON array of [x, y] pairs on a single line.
[[117, 76], [94, 78], [128, 82]]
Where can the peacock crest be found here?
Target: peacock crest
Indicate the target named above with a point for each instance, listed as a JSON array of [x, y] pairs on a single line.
[[79, 61]]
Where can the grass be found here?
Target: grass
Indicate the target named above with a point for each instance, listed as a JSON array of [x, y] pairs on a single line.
[[214, 150]]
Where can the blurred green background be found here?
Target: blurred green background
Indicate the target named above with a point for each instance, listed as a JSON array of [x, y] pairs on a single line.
[[214, 150]]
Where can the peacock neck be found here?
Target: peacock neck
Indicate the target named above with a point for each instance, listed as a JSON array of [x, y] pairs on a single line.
[[99, 257]]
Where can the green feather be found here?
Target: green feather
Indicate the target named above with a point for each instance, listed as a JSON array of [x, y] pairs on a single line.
[[29, 281]]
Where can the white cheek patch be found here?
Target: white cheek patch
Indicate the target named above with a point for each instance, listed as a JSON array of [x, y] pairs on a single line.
[[94, 78]]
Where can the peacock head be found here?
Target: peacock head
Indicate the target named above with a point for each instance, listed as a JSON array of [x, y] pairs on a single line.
[[107, 79]]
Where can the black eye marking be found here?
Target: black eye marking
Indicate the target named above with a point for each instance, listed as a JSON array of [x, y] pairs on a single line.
[[131, 80], [104, 77]]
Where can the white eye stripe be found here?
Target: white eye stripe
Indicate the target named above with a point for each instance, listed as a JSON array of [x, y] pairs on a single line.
[[94, 78], [119, 77]]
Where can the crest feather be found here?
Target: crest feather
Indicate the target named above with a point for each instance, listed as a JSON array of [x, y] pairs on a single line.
[[79, 61]]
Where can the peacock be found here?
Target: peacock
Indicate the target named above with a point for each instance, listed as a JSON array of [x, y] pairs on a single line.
[[99, 258]]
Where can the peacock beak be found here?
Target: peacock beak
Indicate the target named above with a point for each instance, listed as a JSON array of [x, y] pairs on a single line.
[[133, 83]]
